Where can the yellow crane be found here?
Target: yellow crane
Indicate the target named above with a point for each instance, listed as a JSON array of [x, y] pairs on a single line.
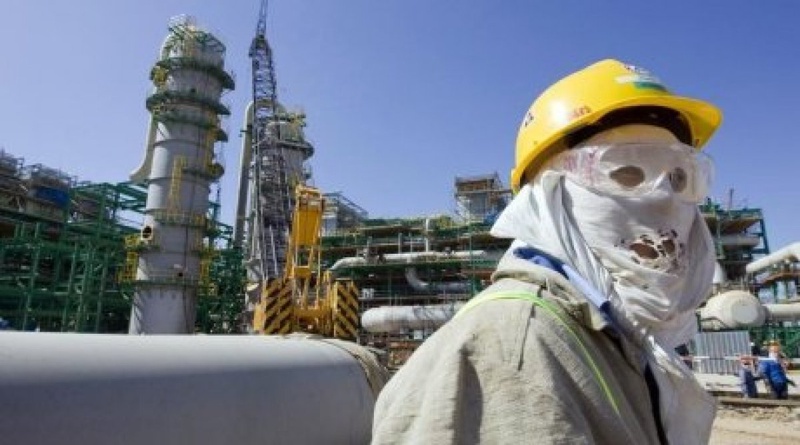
[[306, 299]]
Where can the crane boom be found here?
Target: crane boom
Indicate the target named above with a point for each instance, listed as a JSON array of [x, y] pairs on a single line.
[[270, 196]]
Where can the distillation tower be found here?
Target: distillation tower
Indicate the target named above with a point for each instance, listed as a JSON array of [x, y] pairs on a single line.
[[273, 163], [178, 169], [274, 151]]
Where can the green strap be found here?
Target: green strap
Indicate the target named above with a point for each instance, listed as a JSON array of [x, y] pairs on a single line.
[[557, 314]]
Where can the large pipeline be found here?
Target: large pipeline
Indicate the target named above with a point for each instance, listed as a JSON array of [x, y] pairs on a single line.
[[456, 287], [409, 257], [139, 175], [788, 253], [116, 389], [397, 319]]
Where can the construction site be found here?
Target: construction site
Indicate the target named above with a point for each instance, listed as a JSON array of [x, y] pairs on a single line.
[[151, 255], [78, 256], [71, 253]]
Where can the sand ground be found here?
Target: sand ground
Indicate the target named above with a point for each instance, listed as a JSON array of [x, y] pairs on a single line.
[[762, 426], [752, 425]]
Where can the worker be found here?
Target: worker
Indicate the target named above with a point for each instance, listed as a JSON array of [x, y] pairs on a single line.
[[574, 340], [773, 369], [748, 375]]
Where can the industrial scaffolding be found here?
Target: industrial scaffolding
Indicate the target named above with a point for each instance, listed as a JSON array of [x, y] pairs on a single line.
[[68, 262], [341, 213], [480, 198], [417, 263], [59, 272], [739, 234]]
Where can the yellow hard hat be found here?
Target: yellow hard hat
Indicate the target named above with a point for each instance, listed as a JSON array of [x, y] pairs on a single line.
[[581, 100]]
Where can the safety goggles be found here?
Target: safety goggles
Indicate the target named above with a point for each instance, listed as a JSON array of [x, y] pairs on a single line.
[[634, 170]]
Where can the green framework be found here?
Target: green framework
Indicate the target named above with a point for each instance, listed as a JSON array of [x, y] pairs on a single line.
[[65, 264]]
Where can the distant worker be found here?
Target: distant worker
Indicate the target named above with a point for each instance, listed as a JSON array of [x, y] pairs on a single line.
[[574, 340], [748, 375], [773, 369]]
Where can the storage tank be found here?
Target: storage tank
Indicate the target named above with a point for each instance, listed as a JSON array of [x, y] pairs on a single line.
[[734, 309]]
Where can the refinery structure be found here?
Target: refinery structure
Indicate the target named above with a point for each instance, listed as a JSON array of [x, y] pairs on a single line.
[[149, 255]]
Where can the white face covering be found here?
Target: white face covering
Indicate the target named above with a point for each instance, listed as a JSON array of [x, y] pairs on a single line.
[[652, 255]]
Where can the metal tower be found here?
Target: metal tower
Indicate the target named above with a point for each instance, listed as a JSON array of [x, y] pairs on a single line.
[[179, 166], [276, 154], [271, 196]]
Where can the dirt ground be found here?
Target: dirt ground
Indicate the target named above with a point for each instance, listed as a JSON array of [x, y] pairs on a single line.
[[762, 426]]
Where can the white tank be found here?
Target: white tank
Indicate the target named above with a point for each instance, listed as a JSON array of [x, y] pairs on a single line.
[[734, 309]]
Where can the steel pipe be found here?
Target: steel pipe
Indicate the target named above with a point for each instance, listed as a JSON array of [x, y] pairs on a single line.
[[788, 253], [783, 311], [456, 287], [396, 319], [101, 389], [139, 176], [410, 257], [245, 159]]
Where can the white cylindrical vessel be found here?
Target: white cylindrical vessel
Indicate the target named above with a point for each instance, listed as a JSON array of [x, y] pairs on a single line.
[[734, 309], [104, 389], [189, 79]]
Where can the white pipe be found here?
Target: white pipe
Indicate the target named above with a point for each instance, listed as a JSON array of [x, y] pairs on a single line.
[[427, 233], [418, 285], [396, 319], [783, 312], [409, 257], [101, 389], [141, 173], [788, 253], [348, 262], [246, 158], [720, 277]]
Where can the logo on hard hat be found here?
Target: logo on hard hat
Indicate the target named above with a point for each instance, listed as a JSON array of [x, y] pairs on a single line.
[[641, 79], [636, 69], [580, 112]]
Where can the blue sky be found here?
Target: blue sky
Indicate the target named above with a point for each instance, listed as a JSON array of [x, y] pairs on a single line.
[[402, 96]]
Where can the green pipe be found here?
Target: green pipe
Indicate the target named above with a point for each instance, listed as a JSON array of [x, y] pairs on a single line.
[[101, 292], [31, 283], [70, 286]]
